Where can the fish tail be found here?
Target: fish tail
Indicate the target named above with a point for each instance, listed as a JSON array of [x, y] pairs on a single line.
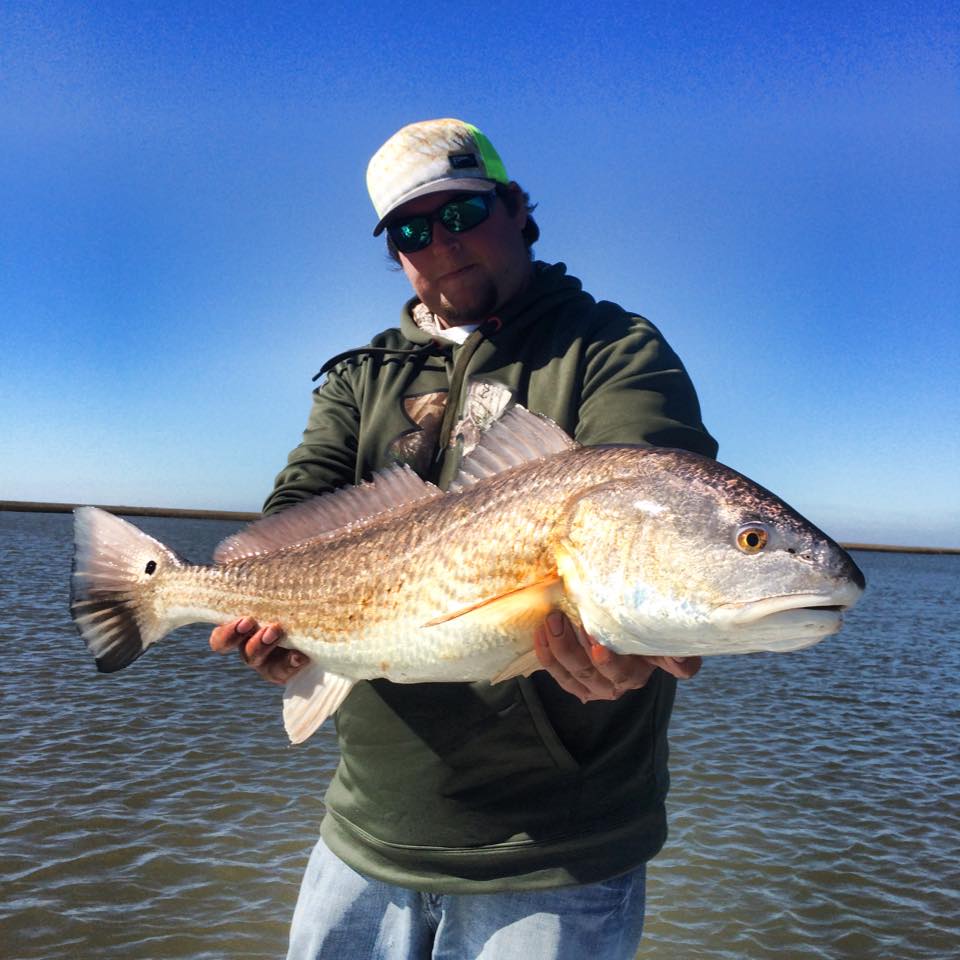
[[115, 570]]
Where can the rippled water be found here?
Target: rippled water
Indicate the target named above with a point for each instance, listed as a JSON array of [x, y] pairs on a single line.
[[159, 813], [815, 809]]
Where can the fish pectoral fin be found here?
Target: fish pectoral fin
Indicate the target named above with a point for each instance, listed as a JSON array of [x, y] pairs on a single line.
[[310, 696], [531, 600], [523, 666]]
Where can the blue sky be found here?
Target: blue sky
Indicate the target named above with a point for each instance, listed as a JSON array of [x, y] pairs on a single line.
[[185, 233]]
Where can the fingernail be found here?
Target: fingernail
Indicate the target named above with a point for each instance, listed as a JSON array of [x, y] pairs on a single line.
[[555, 623], [271, 635], [245, 625], [599, 653]]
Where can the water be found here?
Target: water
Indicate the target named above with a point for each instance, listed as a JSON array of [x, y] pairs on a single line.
[[159, 812]]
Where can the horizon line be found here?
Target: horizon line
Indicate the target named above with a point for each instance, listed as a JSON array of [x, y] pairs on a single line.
[[183, 513]]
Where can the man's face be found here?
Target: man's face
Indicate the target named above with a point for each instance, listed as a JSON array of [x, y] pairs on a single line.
[[467, 277]]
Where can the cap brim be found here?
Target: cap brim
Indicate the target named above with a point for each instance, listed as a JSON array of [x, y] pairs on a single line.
[[463, 185]]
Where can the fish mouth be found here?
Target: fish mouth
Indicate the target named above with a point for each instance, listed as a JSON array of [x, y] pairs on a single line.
[[796, 614]]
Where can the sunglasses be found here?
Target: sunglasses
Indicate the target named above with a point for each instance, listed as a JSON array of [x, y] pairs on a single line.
[[458, 216]]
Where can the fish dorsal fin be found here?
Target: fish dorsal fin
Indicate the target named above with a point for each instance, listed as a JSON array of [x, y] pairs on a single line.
[[388, 490], [519, 436]]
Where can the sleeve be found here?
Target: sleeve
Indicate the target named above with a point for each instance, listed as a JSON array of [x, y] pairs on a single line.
[[326, 457], [635, 390]]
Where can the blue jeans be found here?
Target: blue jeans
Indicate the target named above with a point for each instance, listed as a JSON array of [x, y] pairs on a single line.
[[341, 915]]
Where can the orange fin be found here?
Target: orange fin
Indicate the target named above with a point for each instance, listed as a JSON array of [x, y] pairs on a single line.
[[523, 666], [529, 600]]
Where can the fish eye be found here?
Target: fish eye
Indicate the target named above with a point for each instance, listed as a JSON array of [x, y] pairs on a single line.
[[752, 539]]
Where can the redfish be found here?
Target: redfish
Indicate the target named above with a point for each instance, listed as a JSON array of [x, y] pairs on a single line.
[[654, 551]]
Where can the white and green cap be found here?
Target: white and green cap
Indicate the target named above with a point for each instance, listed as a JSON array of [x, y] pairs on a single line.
[[429, 157]]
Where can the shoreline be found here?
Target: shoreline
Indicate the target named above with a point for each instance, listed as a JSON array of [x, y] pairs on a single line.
[[30, 506]]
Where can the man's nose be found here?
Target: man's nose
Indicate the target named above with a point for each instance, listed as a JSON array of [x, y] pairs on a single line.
[[444, 236]]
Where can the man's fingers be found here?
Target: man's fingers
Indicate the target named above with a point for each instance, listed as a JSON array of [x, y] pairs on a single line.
[[565, 645], [561, 652], [261, 645], [683, 668], [273, 662], [623, 672], [281, 665], [258, 648], [229, 636], [591, 671]]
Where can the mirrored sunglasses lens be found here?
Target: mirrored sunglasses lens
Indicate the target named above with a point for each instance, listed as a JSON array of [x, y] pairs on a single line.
[[411, 235], [461, 215]]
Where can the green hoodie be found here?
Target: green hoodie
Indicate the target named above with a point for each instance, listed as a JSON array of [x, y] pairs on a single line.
[[465, 788]]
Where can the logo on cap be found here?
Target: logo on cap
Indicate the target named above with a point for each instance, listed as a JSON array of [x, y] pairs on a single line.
[[460, 161]]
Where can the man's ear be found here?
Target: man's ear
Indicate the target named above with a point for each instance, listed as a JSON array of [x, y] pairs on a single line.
[[519, 215]]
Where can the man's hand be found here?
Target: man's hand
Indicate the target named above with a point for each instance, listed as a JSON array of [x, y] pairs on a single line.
[[258, 648], [592, 672]]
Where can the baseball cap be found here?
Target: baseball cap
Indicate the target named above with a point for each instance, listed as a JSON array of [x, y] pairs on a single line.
[[429, 157]]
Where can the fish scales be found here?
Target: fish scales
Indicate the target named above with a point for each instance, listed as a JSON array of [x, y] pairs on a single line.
[[367, 586]]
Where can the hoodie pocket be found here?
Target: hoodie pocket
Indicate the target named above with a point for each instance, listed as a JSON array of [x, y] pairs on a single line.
[[545, 729], [451, 765]]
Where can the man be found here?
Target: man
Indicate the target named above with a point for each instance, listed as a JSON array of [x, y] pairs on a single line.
[[478, 820]]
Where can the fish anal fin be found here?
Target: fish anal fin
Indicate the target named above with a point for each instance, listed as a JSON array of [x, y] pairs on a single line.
[[311, 695], [523, 666], [531, 600]]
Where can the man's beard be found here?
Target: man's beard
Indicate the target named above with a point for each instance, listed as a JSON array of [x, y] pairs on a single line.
[[480, 307]]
